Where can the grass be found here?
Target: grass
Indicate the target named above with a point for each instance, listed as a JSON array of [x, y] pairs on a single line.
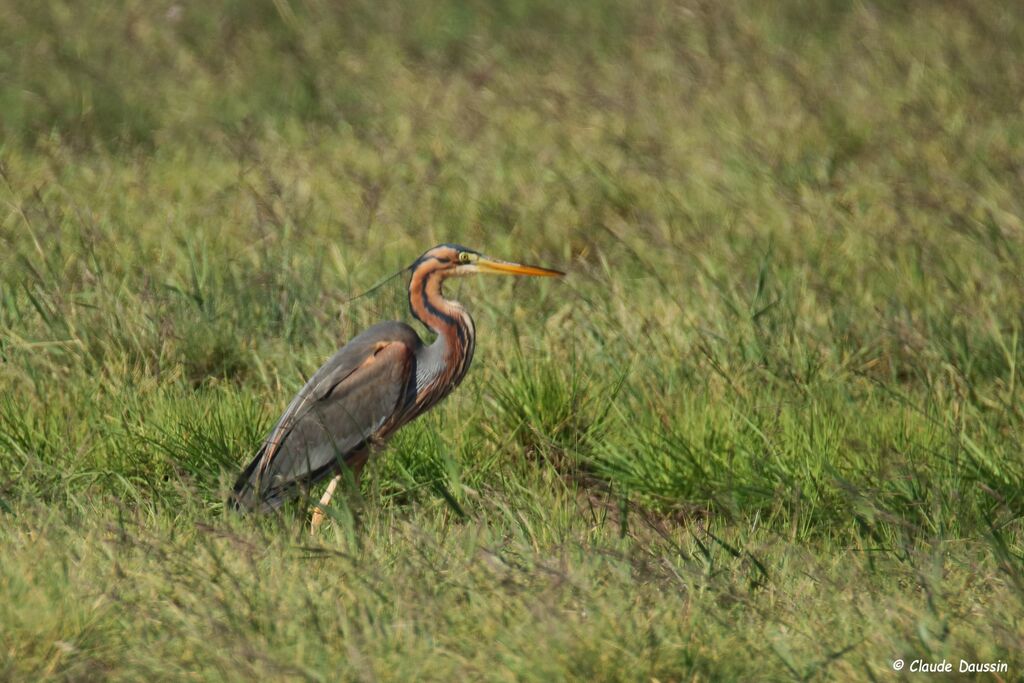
[[770, 426]]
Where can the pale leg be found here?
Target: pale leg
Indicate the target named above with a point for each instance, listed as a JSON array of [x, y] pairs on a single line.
[[319, 510]]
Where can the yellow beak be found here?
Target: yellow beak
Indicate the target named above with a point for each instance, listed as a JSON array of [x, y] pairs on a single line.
[[496, 267]]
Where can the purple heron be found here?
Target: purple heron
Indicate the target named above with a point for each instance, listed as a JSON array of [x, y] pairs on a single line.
[[372, 386]]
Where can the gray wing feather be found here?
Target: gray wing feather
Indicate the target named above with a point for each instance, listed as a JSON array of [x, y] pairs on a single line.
[[334, 415]]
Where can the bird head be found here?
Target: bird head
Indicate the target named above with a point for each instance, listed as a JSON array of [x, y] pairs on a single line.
[[456, 260]]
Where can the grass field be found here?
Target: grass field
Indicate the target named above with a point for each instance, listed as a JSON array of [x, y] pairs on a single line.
[[770, 427]]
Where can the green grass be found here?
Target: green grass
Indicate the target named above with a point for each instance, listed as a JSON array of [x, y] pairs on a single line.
[[770, 427]]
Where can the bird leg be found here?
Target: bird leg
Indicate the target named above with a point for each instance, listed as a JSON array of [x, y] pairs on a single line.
[[355, 470], [319, 511]]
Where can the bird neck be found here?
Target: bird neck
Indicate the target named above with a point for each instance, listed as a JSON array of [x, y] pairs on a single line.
[[456, 333]]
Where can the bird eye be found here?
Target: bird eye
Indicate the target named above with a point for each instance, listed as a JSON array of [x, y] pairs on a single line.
[[464, 257]]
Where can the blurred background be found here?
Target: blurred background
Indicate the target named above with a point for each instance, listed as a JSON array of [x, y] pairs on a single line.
[[784, 372]]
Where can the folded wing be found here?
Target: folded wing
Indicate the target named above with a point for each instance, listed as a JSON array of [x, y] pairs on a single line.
[[333, 419]]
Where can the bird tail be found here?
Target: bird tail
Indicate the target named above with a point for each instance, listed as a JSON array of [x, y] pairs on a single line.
[[246, 495], [252, 493]]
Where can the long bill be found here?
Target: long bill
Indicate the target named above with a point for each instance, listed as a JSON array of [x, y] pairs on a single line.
[[498, 267]]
